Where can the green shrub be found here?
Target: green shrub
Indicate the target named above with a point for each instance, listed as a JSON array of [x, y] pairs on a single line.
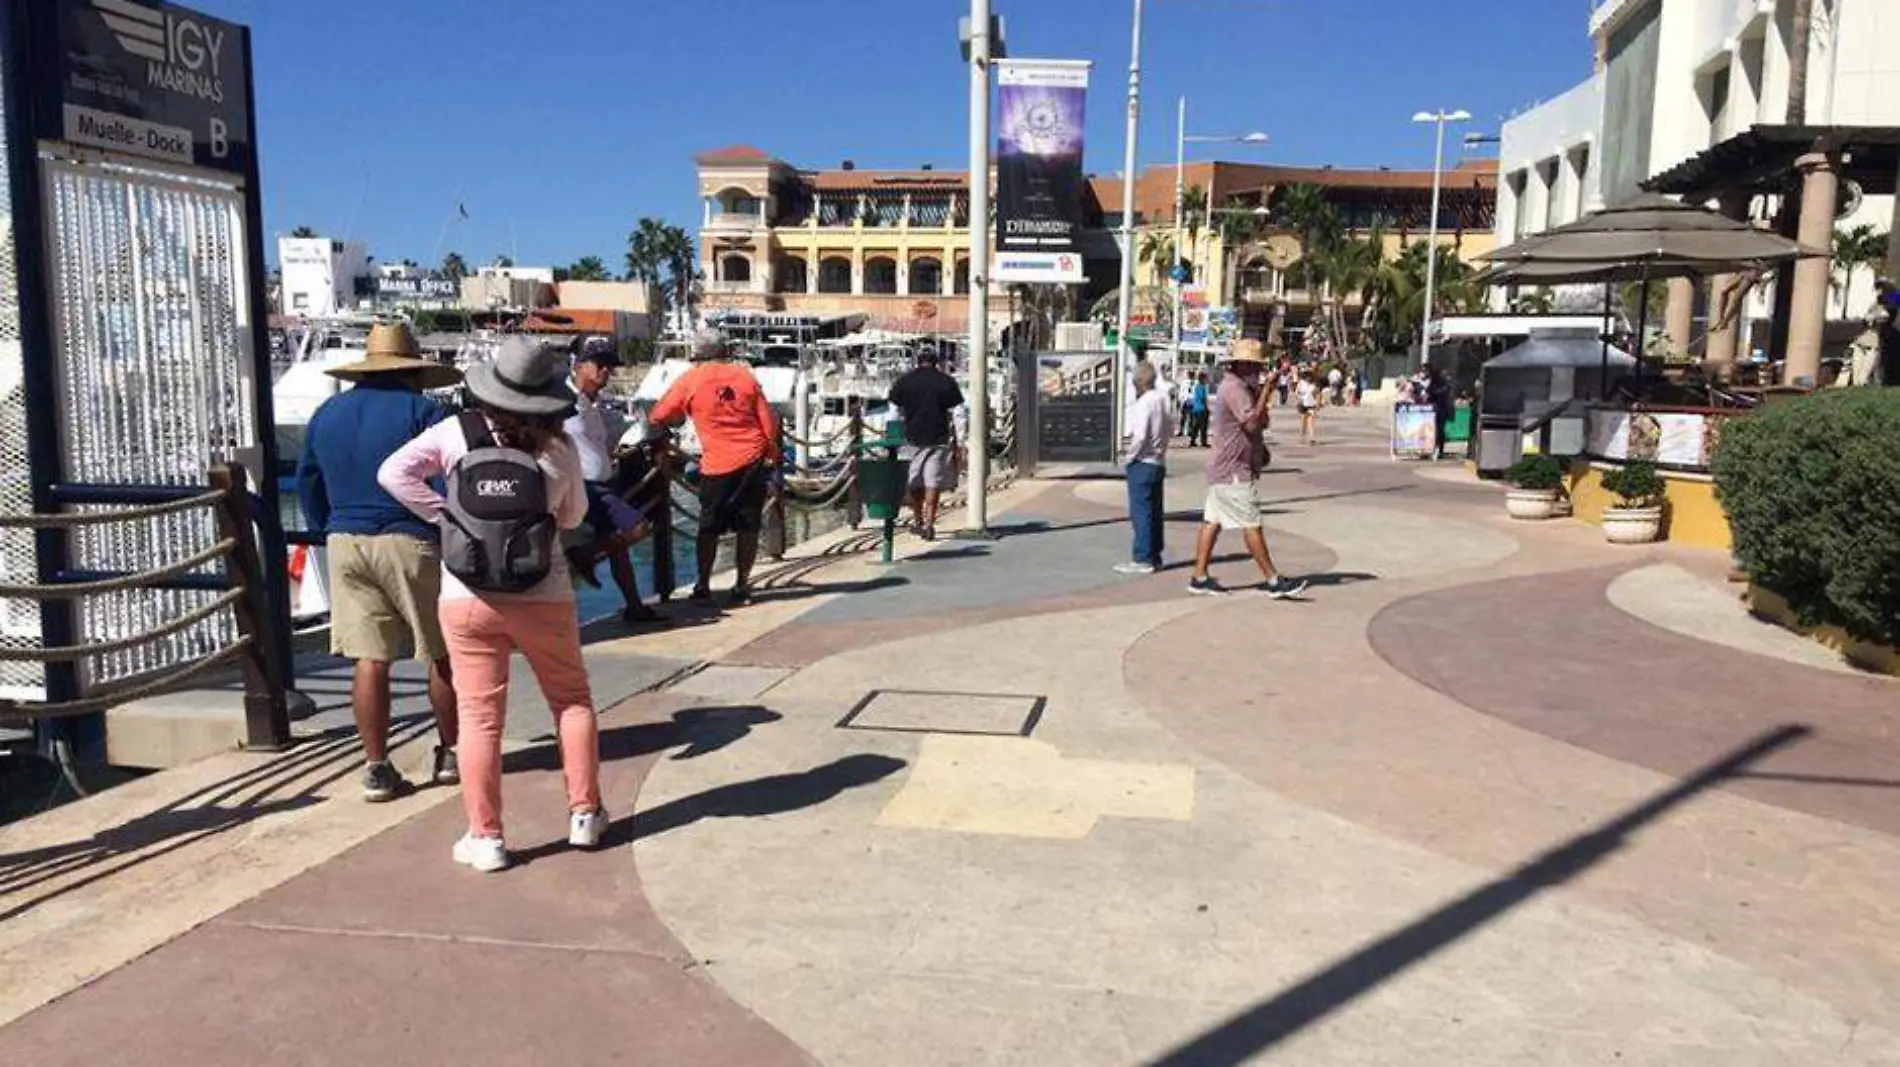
[[1635, 485], [1536, 473], [1812, 490]]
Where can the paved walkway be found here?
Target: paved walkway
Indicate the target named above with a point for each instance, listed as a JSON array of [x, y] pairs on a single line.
[[1494, 793]]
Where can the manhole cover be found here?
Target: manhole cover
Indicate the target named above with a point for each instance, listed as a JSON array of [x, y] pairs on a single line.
[[725, 682], [914, 711]]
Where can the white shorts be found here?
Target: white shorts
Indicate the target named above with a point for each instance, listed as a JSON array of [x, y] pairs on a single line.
[[1232, 507]]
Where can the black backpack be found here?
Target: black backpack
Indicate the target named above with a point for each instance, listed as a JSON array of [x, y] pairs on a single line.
[[497, 534]]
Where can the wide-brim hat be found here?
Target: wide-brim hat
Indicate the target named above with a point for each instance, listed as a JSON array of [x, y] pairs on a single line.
[[393, 349], [1246, 350], [527, 376]]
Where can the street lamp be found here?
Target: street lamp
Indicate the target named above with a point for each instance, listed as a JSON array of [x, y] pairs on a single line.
[[1181, 140], [1438, 118]]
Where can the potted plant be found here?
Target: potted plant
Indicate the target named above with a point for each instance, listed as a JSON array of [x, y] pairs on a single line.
[[1536, 484], [1636, 518]]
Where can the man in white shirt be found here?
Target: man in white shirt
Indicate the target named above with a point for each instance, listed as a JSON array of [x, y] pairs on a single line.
[[1150, 426], [612, 525]]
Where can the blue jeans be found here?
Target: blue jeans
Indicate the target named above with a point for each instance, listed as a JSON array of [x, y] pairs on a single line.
[[1145, 512]]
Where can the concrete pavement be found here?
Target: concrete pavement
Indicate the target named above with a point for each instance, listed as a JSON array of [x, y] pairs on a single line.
[[1493, 793]]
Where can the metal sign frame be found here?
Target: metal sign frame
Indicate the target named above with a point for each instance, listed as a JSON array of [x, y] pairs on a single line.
[[23, 89]]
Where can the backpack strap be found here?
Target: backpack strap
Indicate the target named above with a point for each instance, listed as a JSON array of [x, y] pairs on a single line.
[[475, 430]]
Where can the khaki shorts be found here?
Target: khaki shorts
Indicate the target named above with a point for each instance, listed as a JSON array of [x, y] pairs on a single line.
[[1232, 507], [933, 468], [383, 594]]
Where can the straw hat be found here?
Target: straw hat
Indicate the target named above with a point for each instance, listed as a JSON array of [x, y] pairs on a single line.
[[393, 349], [1246, 350], [528, 376]]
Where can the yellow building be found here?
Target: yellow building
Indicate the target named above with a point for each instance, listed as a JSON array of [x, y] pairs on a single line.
[[893, 245]]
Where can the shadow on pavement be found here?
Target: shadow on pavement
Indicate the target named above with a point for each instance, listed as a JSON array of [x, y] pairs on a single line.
[[802, 590], [1329, 579], [695, 731], [1273, 1021], [775, 795]]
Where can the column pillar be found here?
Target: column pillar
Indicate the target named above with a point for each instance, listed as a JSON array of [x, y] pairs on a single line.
[[1820, 186], [812, 266], [1679, 318], [705, 204], [903, 270], [1725, 305]]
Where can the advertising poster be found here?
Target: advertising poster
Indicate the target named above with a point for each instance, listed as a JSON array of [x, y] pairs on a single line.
[[1414, 431], [1040, 114]]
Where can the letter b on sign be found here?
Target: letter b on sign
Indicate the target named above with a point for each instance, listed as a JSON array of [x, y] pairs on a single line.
[[220, 139]]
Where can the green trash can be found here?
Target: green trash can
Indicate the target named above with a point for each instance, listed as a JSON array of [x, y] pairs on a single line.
[[1459, 428], [881, 480]]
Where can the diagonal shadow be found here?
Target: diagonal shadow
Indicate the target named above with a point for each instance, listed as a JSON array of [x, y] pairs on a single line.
[[1272, 1021], [694, 731]]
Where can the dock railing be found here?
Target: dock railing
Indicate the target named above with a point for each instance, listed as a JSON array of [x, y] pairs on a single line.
[[237, 577]]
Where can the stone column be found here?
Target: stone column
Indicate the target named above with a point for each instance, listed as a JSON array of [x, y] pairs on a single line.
[[1679, 318], [1820, 186]]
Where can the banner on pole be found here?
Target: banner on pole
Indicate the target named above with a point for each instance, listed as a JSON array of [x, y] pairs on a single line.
[[1041, 104]]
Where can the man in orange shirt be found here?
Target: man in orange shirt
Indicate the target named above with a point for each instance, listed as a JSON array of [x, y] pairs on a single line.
[[738, 437]]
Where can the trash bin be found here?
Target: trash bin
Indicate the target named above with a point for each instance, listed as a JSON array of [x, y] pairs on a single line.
[[1459, 428], [881, 478]]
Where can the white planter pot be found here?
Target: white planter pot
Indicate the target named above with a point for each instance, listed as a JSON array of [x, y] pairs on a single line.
[[1632, 526], [1530, 503]]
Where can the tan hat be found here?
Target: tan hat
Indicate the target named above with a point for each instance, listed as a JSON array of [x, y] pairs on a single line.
[[393, 349], [1246, 350]]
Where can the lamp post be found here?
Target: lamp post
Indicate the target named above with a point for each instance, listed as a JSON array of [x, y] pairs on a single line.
[[981, 46], [1181, 140], [1438, 118], [1125, 299]]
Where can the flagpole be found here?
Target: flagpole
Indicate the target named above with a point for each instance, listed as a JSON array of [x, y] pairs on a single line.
[[456, 210]]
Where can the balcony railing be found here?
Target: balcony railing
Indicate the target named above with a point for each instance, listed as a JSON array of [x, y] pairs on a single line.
[[734, 220]]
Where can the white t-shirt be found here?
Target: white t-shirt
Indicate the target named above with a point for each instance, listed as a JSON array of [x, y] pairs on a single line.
[[587, 428], [1309, 394], [1333, 377]]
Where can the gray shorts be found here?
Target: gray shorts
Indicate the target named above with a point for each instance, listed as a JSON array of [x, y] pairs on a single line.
[[933, 468]]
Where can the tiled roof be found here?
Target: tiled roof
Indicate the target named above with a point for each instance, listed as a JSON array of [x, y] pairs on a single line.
[[738, 153]]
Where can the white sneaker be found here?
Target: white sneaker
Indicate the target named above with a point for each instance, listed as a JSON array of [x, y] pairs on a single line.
[[586, 828], [1134, 568], [486, 854]]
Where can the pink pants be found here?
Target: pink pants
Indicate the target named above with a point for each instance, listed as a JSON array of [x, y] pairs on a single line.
[[480, 637]]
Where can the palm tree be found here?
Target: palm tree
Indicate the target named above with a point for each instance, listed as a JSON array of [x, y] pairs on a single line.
[[1539, 301], [303, 231], [1861, 246], [1803, 27], [1157, 250], [1304, 209], [1237, 225], [644, 259], [587, 269], [454, 267]]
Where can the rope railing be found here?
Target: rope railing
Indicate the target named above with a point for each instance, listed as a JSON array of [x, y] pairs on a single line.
[[266, 710]]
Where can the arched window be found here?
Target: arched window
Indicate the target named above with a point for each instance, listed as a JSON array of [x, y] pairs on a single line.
[[962, 283], [790, 276], [926, 276], [735, 201], [1257, 276], [880, 275], [834, 275], [735, 269]]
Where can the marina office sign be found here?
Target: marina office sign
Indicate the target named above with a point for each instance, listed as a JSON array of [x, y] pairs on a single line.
[[147, 79]]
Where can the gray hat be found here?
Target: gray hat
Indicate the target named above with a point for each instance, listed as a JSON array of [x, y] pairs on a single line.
[[710, 342], [526, 376]]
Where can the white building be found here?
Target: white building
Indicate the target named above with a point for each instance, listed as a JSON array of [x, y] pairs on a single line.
[[508, 287], [322, 277], [1674, 78]]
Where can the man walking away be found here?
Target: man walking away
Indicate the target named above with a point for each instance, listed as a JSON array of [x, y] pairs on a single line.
[[385, 563], [1233, 469], [738, 438], [1146, 461], [1438, 395], [613, 525], [926, 397]]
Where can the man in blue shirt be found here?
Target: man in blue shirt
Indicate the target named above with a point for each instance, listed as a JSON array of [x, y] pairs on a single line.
[[384, 563]]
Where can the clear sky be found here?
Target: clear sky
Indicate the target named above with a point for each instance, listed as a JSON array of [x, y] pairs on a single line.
[[560, 122]]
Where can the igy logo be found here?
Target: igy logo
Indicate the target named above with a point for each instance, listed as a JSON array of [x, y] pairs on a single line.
[[163, 38]]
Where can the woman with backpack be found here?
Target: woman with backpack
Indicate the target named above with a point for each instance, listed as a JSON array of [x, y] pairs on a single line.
[[513, 483]]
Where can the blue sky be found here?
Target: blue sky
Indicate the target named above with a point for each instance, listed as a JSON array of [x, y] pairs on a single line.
[[560, 122]]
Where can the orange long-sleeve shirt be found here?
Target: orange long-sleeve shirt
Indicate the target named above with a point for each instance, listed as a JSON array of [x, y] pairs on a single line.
[[736, 426]]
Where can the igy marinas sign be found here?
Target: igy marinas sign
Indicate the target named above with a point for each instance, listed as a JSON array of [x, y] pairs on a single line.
[[145, 78]]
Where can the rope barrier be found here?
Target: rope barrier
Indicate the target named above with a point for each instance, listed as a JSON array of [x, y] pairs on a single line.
[[11, 710], [803, 443], [69, 520], [68, 653], [74, 590]]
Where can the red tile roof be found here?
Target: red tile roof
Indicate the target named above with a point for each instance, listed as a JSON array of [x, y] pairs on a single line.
[[738, 153]]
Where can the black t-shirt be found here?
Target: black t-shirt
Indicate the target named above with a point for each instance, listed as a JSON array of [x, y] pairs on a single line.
[[926, 397]]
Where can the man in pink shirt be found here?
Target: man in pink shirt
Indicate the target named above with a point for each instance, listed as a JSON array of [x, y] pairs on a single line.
[[1239, 417]]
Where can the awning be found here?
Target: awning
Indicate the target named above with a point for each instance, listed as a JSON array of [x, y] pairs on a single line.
[[1761, 160]]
